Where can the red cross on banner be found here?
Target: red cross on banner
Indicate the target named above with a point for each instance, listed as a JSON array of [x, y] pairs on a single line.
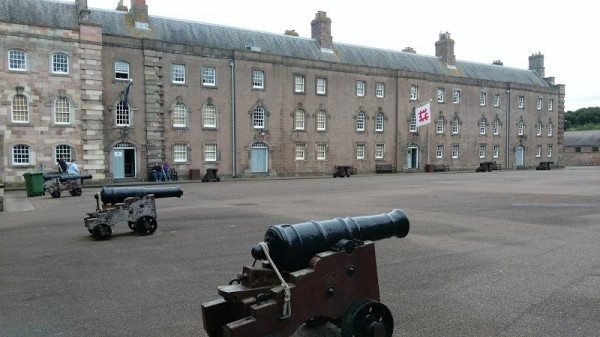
[[423, 114]]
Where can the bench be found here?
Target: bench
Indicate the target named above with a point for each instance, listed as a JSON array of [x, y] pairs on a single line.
[[384, 168], [440, 168]]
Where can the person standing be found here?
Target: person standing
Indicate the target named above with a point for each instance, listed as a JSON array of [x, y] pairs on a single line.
[[167, 171], [62, 165], [157, 172]]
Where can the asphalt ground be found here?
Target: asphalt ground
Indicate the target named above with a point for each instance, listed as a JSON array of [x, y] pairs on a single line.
[[502, 253]]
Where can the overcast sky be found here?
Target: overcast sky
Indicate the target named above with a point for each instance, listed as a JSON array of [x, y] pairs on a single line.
[[566, 32]]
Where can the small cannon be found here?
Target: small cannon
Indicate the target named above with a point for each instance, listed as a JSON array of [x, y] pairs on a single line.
[[55, 183], [312, 273], [131, 204]]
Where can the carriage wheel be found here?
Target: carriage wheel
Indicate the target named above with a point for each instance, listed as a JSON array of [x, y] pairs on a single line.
[[146, 225], [76, 192], [55, 194], [102, 232], [367, 318]]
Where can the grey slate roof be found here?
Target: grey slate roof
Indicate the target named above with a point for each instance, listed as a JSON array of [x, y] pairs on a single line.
[[582, 138], [63, 14]]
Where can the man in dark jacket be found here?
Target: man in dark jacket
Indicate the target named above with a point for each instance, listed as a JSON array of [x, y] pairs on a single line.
[[157, 172]]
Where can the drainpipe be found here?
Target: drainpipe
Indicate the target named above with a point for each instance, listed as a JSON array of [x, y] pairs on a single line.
[[233, 145], [507, 127]]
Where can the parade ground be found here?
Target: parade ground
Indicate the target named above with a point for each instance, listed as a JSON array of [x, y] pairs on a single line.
[[501, 253]]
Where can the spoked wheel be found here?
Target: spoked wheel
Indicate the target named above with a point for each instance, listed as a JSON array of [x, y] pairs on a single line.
[[131, 225], [146, 225], [76, 192], [55, 194], [367, 318], [102, 232]]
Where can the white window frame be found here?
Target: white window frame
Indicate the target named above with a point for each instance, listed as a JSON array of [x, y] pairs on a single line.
[[414, 92], [361, 87], [539, 103], [412, 123], [482, 151], [178, 73], [482, 126], [439, 151], [379, 151], [179, 115], [482, 98], [210, 152], [122, 70], [209, 76], [441, 95], [180, 153], [379, 122], [299, 119], [521, 128], [321, 151], [455, 126], [549, 151], [258, 79], [360, 121], [122, 114], [521, 102], [456, 96], [258, 118], [538, 151], [209, 116], [496, 100], [60, 63], [538, 128], [496, 127], [321, 86], [379, 90], [299, 84], [496, 151], [63, 150], [62, 111], [321, 120], [20, 111], [455, 151], [360, 151], [550, 129], [550, 104], [17, 60], [300, 151], [20, 155], [439, 125]]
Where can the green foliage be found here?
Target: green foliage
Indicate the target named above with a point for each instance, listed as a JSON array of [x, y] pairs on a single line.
[[583, 119]]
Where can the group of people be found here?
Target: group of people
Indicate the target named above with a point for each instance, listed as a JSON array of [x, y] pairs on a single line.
[[67, 167], [162, 172]]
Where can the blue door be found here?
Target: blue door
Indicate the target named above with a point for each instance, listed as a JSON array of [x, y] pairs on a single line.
[[259, 158], [119, 163]]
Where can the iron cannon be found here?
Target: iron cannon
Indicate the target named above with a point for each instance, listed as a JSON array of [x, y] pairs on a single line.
[[311, 273], [132, 204], [55, 183]]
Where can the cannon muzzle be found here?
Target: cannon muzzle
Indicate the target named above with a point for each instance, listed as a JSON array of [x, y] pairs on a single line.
[[64, 177], [115, 195], [292, 246]]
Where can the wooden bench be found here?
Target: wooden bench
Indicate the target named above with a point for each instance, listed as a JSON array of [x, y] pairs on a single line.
[[440, 168], [384, 168]]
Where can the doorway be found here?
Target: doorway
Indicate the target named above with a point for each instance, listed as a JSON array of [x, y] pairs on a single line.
[[124, 163], [259, 158], [520, 156], [412, 157]]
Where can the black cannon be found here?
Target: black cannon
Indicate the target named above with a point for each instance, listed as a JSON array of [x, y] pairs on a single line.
[[211, 175], [131, 204], [55, 183], [115, 195], [312, 272]]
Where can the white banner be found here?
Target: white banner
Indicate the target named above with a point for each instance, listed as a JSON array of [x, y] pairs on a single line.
[[423, 114]]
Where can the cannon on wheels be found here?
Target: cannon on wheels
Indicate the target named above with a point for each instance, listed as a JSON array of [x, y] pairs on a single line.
[[312, 273], [54, 183], [211, 175], [134, 205]]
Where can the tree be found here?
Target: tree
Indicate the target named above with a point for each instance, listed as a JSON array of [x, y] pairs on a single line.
[[583, 119]]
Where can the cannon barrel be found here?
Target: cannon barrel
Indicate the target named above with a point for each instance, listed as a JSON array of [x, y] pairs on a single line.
[[115, 195], [292, 246], [64, 177]]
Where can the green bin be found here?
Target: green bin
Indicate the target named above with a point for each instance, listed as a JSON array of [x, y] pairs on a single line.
[[34, 183]]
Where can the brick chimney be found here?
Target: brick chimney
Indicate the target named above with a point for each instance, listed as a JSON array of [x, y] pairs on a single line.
[[321, 30], [139, 9], [83, 11], [536, 64], [444, 49], [409, 50], [121, 7]]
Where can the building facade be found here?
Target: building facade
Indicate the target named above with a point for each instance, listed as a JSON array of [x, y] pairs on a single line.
[[120, 90], [581, 148]]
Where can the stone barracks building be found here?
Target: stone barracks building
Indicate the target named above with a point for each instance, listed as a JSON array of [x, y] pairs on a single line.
[[118, 90]]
